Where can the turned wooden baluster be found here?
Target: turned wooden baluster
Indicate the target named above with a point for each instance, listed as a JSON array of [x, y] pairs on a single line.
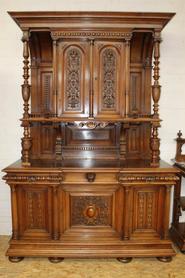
[[156, 91], [26, 140]]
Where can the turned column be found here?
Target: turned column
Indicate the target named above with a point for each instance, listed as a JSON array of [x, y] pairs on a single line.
[[26, 140], [156, 91]]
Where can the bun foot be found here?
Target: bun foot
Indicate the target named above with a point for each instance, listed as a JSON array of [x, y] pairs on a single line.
[[55, 260], [125, 260], [15, 259], [165, 259]]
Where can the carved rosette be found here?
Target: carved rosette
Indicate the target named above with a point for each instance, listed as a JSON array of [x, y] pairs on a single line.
[[91, 210], [73, 80]]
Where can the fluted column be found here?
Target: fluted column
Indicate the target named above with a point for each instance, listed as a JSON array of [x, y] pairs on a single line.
[[156, 91], [26, 140]]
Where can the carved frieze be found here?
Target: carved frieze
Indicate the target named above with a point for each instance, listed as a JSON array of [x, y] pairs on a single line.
[[140, 178], [90, 34], [34, 178]]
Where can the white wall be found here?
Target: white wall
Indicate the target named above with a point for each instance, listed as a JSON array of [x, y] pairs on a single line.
[[172, 104]]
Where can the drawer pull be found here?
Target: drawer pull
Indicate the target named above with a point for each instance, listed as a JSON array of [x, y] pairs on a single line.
[[90, 177]]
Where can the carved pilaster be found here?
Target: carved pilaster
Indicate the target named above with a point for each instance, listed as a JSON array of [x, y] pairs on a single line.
[[156, 91], [127, 69], [55, 214], [55, 75], [26, 140], [123, 140], [166, 212], [91, 97], [15, 233], [126, 232]]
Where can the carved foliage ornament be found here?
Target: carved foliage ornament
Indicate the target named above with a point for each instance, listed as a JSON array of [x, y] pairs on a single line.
[[90, 210], [109, 78], [91, 124], [73, 79], [126, 178], [12, 178]]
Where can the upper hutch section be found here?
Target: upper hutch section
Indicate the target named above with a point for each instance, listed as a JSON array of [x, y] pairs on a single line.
[[91, 84], [91, 64]]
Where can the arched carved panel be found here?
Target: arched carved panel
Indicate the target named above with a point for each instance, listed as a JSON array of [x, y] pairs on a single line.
[[109, 83], [109, 78], [73, 77]]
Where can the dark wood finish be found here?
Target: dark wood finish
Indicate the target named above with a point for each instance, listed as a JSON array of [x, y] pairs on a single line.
[[90, 183], [177, 230]]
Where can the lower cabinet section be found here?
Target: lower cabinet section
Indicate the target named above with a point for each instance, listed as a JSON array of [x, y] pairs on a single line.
[[72, 217]]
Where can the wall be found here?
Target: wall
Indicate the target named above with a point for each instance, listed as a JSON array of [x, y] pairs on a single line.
[[172, 103]]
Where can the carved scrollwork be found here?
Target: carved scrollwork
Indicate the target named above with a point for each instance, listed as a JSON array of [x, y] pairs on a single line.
[[91, 124]]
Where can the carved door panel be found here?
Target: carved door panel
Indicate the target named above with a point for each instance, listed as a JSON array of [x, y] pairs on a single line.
[[34, 211], [94, 209], [73, 78], [109, 79], [148, 211]]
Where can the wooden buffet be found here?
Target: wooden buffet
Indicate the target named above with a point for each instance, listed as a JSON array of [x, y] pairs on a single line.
[[90, 182]]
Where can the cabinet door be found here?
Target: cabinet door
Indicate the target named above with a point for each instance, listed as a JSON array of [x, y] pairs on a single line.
[[91, 211], [148, 211], [73, 78], [34, 211], [109, 79]]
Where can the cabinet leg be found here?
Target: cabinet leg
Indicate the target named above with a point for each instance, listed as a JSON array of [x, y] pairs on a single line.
[[55, 259], [15, 259], [124, 259], [165, 259]]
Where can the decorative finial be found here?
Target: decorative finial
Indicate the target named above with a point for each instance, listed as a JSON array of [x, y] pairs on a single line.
[[179, 134]]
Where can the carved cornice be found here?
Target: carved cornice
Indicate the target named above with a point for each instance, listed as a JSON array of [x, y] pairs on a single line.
[[90, 34], [128, 178], [32, 179]]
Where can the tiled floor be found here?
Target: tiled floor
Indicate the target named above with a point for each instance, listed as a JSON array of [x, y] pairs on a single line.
[[102, 268]]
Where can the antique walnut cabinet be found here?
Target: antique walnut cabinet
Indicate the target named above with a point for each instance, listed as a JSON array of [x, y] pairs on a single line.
[[90, 182]]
